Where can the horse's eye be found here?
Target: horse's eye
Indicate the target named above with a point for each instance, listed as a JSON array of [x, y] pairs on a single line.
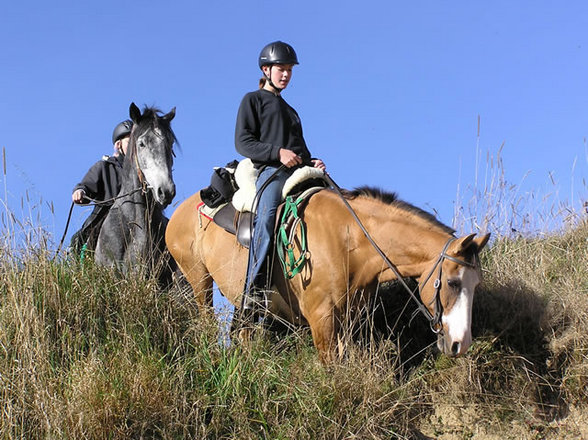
[[454, 284]]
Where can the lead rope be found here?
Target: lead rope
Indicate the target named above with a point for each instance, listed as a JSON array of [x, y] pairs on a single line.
[[93, 202], [285, 242]]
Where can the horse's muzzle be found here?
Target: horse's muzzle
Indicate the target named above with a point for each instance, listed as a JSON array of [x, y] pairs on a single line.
[[452, 348], [165, 194]]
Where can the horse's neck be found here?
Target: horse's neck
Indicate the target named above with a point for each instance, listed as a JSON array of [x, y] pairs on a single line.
[[409, 242], [134, 202]]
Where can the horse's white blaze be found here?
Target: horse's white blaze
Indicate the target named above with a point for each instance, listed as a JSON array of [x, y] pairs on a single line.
[[155, 169], [157, 177], [458, 321]]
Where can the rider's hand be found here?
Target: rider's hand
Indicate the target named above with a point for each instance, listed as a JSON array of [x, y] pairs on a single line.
[[78, 196], [289, 158], [317, 163]]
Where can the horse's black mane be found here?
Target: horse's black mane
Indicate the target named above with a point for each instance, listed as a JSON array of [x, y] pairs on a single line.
[[152, 114], [149, 117], [391, 198]]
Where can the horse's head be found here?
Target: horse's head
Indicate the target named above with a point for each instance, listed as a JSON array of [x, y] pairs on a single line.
[[447, 290], [151, 149]]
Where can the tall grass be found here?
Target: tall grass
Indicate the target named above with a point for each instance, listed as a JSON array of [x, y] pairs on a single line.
[[87, 354], [490, 202]]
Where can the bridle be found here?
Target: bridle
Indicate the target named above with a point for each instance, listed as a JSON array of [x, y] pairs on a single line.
[[145, 186], [135, 153], [434, 319]]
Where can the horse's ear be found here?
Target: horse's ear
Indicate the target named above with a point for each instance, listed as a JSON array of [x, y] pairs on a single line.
[[462, 244], [170, 115], [481, 241], [134, 112]]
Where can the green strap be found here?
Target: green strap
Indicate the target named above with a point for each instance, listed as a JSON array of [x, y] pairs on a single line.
[[285, 246], [83, 252]]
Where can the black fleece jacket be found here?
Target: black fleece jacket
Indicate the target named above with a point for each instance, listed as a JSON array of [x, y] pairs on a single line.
[[102, 181], [266, 123]]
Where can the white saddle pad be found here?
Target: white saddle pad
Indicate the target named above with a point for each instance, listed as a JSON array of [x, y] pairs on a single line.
[[246, 176]]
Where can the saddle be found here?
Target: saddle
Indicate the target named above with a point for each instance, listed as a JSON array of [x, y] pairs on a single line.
[[240, 224], [236, 216]]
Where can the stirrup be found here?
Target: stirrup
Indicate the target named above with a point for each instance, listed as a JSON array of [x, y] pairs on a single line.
[[255, 299]]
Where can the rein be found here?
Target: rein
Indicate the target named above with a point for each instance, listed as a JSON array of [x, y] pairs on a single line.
[[93, 202], [434, 320], [65, 231], [111, 200]]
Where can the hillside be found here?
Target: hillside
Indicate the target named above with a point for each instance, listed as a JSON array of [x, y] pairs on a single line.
[[84, 354]]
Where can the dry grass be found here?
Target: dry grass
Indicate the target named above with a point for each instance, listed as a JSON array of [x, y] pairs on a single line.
[[85, 354]]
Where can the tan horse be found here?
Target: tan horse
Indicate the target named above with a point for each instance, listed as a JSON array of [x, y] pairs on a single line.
[[343, 268]]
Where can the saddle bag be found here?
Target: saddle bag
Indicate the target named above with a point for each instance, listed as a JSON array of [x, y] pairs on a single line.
[[222, 186]]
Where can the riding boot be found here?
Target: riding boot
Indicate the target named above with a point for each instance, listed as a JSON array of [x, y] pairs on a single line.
[[254, 303], [254, 300], [245, 318]]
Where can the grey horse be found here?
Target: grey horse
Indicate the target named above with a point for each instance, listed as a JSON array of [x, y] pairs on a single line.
[[132, 236]]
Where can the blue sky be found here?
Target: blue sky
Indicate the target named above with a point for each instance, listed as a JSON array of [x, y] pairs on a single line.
[[389, 92]]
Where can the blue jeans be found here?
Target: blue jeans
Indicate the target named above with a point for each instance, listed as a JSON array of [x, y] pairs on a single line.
[[264, 223]]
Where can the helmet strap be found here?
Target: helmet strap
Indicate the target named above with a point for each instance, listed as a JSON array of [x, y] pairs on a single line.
[[270, 82]]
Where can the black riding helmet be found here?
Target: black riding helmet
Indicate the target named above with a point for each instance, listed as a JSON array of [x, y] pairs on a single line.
[[121, 130], [277, 52]]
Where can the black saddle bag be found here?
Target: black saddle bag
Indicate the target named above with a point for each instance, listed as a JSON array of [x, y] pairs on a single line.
[[222, 186]]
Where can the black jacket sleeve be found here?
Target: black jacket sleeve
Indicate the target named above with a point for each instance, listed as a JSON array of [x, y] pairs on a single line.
[[102, 181], [93, 182]]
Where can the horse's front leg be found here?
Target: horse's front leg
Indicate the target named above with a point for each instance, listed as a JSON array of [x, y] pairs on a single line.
[[325, 326], [136, 255], [201, 283], [110, 248]]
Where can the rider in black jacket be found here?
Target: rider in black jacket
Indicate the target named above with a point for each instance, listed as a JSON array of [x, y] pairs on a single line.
[[269, 132], [101, 183]]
